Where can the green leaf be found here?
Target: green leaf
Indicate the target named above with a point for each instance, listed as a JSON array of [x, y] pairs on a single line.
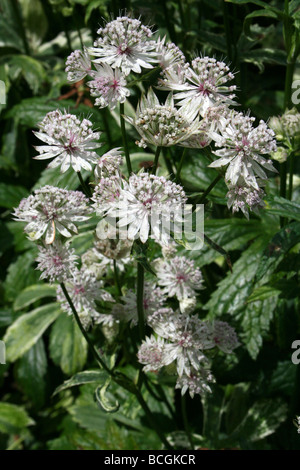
[[20, 275], [260, 3], [53, 177], [10, 195], [230, 234], [256, 14], [282, 207], [27, 330], [33, 293], [68, 347], [278, 246], [31, 373], [265, 56], [31, 69], [84, 377], [13, 418], [255, 321], [232, 292], [6, 318], [103, 400], [261, 420], [262, 293]]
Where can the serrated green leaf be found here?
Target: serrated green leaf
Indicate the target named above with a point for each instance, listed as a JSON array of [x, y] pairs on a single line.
[[31, 372], [278, 246], [232, 292], [27, 330], [68, 347], [33, 293], [255, 321], [262, 419], [84, 377], [262, 293], [13, 418]]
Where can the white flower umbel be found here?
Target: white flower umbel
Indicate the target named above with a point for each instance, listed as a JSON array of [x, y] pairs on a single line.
[[151, 354], [108, 86], [109, 164], [78, 65], [168, 54], [196, 383], [243, 197], [224, 336], [186, 337], [143, 203], [241, 146], [83, 289], [153, 299], [161, 125], [107, 194], [200, 86], [56, 262], [51, 209], [125, 43], [70, 141], [178, 276]]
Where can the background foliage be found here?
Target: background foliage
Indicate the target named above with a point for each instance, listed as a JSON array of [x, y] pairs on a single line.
[[258, 391]]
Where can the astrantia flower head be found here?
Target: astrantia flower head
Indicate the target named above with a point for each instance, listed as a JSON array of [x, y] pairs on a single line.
[[108, 86], [84, 289], [224, 336], [178, 276], [52, 209], [56, 262], [153, 299], [197, 382], [187, 336], [125, 43], [78, 65], [241, 146], [200, 86], [168, 54], [70, 141], [243, 197], [161, 125], [141, 203], [109, 164], [107, 193], [151, 353]]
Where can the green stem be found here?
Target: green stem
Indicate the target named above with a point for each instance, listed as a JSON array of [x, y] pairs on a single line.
[[124, 138], [168, 164], [157, 153], [140, 300], [228, 31], [106, 126], [85, 188], [208, 190], [96, 355], [117, 279], [180, 166], [291, 175], [185, 421]]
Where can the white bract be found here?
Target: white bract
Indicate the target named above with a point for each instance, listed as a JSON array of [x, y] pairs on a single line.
[[241, 146], [52, 209], [125, 43], [70, 141], [161, 125], [108, 86]]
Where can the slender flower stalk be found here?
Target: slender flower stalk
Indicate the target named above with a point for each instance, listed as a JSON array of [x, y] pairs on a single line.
[[124, 138], [177, 180], [155, 163]]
